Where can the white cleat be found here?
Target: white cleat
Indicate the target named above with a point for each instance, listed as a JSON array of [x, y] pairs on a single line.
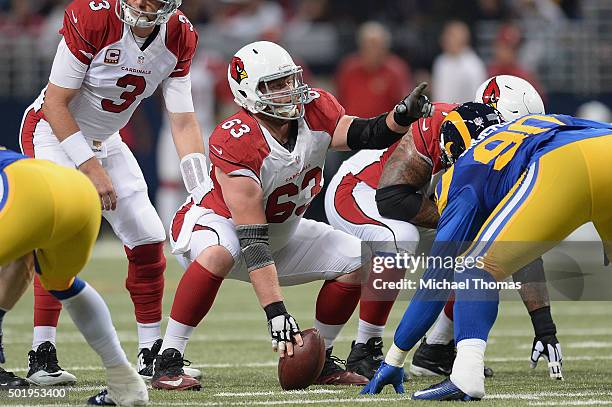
[[126, 387]]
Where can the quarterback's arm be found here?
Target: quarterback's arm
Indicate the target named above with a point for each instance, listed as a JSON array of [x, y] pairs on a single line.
[[186, 133], [244, 198], [397, 195], [353, 133]]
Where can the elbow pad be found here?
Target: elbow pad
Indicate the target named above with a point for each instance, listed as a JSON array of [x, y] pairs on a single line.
[[373, 134], [400, 202]]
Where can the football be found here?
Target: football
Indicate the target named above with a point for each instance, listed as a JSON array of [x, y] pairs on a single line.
[[302, 369]]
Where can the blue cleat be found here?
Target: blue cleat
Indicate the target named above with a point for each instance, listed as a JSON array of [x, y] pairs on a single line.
[[101, 399], [443, 391], [386, 374]]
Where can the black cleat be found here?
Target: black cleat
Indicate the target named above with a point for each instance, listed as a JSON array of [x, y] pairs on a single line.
[[366, 358], [433, 360], [437, 360], [169, 374], [44, 367], [9, 380], [2, 358], [146, 360]]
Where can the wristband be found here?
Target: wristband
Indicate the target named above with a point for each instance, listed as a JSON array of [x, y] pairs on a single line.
[[77, 148], [275, 309], [542, 321]]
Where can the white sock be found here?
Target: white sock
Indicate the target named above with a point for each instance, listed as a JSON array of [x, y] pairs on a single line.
[[367, 331], [329, 332], [148, 334], [43, 334], [468, 369], [91, 315], [176, 337], [442, 331]]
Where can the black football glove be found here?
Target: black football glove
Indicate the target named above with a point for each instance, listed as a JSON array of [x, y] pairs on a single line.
[[549, 348], [413, 107]]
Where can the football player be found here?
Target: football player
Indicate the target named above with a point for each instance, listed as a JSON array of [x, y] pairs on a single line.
[[267, 166], [113, 54], [400, 213], [493, 195], [49, 222]]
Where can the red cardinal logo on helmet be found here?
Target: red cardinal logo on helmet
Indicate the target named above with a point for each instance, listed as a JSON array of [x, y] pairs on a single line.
[[490, 95], [237, 70]]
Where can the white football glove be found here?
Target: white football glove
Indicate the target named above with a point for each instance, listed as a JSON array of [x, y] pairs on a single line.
[[549, 348], [282, 329]]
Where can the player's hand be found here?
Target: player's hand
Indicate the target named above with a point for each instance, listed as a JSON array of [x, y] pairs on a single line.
[[549, 348], [386, 374], [413, 107], [285, 332], [99, 177]]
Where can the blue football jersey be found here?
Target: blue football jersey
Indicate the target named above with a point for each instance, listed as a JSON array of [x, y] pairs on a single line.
[[471, 189], [8, 157]]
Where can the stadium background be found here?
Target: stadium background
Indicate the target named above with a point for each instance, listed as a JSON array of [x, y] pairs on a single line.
[[563, 46]]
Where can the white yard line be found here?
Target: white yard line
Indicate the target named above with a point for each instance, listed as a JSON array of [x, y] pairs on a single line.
[[590, 402]]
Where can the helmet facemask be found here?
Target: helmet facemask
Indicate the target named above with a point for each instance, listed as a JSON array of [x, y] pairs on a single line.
[[282, 95], [135, 17]]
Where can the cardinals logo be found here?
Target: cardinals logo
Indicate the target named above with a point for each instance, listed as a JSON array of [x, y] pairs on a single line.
[[490, 95], [237, 70]]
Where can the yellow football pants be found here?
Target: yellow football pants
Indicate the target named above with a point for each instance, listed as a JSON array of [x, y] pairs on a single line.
[[54, 211], [564, 189]]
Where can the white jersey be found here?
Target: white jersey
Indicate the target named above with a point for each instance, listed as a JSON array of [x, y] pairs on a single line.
[[290, 180], [119, 75]]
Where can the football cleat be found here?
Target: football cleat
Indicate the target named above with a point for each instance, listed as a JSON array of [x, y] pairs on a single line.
[[44, 369], [9, 380], [125, 388], [333, 374], [366, 358], [169, 374], [146, 363], [433, 360], [437, 360], [386, 374], [2, 358], [443, 391]]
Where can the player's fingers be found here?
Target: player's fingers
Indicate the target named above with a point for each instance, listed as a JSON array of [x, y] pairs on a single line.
[[289, 348], [113, 199], [105, 201], [282, 346], [298, 340], [420, 88], [274, 345]]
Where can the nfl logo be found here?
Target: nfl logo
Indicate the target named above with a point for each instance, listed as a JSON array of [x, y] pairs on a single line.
[[141, 59]]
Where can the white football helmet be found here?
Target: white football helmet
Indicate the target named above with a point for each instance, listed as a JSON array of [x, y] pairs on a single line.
[[254, 74], [512, 96], [135, 17]]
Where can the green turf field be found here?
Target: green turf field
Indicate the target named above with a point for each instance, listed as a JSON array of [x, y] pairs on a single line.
[[232, 349]]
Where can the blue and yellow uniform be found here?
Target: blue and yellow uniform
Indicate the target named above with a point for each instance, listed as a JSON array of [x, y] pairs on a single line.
[[535, 179], [51, 210]]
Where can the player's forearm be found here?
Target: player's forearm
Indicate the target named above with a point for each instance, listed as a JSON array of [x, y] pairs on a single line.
[[266, 286], [186, 134], [60, 118], [428, 216]]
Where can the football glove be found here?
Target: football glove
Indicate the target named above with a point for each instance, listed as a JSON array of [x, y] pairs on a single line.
[[281, 326], [413, 107], [386, 374], [548, 347]]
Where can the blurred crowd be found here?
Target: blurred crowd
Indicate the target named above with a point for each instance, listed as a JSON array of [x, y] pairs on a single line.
[[369, 53]]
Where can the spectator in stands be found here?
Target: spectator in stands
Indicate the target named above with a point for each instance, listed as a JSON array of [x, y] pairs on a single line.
[[458, 71], [372, 80], [506, 57]]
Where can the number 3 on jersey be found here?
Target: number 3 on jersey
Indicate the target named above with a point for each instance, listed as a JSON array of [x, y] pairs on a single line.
[[99, 5], [237, 132]]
